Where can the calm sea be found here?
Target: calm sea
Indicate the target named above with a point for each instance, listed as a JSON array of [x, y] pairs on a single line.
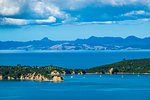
[[68, 59], [80, 87]]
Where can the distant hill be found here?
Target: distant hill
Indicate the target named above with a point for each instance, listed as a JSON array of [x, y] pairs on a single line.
[[92, 43], [126, 66]]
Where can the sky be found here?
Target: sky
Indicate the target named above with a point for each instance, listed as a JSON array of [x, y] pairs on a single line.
[[24, 20]]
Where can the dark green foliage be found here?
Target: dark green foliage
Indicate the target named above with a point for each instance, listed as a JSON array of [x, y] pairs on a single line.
[[17, 71], [79, 70], [68, 71], [125, 66]]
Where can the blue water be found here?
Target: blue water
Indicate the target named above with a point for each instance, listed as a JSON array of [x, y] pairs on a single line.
[[68, 59], [80, 87]]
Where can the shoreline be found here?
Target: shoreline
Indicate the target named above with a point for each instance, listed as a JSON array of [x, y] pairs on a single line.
[[125, 67], [119, 74]]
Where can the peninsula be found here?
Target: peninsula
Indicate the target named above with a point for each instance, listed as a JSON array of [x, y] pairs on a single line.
[[52, 73]]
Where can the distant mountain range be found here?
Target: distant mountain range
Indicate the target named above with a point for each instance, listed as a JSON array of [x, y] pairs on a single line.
[[92, 43]]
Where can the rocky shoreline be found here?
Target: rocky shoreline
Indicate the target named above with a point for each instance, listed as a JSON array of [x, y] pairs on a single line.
[[35, 77], [56, 78]]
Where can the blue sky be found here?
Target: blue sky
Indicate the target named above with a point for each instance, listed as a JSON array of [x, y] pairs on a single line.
[[24, 20]]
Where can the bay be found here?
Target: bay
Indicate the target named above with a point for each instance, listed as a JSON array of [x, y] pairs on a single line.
[[69, 59]]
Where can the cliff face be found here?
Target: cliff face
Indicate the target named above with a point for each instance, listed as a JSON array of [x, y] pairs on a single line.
[[35, 77], [73, 73], [55, 72], [80, 73], [39, 77], [111, 70], [57, 79], [10, 78], [1, 77]]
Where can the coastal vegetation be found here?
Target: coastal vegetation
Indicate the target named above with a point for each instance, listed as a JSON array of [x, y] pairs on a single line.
[[138, 66], [28, 73], [51, 73]]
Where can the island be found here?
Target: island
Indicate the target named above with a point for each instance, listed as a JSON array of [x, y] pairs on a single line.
[[54, 74]]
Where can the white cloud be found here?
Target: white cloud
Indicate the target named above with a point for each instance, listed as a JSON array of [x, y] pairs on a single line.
[[10, 7], [133, 22], [113, 2], [146, 19], [49, 20], [41, 7], [118, 2], [76, 4], [12, 21], [45, 7], [56, 7], [140, 12], [124, 2], [60, 9]]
